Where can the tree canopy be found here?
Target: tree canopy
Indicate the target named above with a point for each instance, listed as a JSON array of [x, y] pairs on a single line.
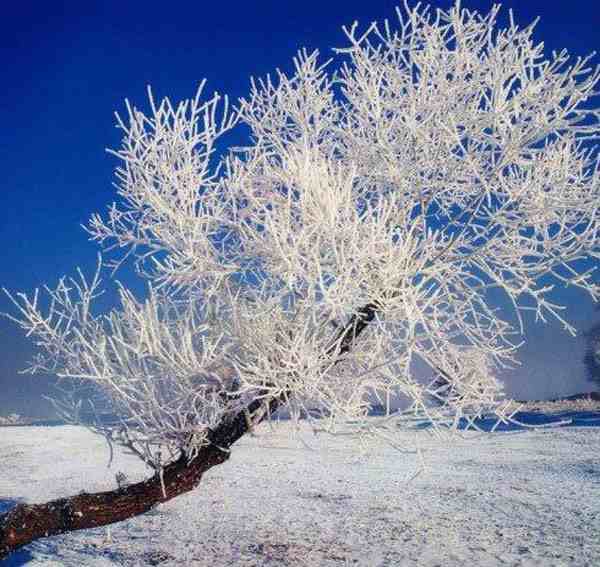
[[380, 200]]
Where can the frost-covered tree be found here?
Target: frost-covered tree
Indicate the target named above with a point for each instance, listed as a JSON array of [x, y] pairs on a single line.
[[383, 201]]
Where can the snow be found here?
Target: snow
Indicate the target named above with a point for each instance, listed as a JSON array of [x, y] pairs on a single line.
[[519, 497]]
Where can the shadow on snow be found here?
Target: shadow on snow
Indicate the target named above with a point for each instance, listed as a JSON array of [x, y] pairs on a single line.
[[522, 421]]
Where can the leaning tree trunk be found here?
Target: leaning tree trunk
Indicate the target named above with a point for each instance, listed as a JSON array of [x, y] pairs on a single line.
[[26, 523]]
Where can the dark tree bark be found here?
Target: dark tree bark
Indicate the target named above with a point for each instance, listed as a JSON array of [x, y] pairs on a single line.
[[356, 325], [26, 523]]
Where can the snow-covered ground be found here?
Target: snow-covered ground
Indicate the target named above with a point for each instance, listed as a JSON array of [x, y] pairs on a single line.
[[511, 498]]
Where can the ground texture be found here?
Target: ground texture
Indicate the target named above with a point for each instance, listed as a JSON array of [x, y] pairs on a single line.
[[516, 497]]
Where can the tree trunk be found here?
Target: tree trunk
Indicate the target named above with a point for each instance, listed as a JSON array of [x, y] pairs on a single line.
[[26, 523]]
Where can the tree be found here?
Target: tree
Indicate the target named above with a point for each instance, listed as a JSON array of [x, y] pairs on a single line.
[[381, 200], [591, 359]]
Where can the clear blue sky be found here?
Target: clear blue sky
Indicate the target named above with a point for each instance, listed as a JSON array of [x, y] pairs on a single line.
[[65, 67]]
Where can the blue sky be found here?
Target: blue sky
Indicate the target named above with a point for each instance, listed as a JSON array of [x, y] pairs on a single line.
[[67, 66]]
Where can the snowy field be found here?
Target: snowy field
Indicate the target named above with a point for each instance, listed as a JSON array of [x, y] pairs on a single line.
[[518, 497]]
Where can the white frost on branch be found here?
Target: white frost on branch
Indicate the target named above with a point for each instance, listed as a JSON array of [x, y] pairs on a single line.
[[396, 188]]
